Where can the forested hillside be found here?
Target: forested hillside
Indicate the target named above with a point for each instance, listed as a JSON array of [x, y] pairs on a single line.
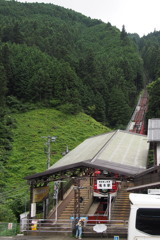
[[56, 60], [150, 51], [56, 56]]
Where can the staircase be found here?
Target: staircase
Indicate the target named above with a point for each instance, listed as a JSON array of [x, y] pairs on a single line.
[[121, 206], [64, 225], [65, 210], [84, 206]]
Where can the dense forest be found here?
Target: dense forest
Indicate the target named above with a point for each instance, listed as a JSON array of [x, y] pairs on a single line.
[[150, 52], [61, 58], [55, 58]]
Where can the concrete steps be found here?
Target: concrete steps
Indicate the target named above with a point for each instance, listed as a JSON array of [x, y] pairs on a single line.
[[121, 206], [120, 212], [64, 224], [69, 209]]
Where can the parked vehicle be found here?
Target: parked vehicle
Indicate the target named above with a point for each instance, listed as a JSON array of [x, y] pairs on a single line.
[[144, 220]]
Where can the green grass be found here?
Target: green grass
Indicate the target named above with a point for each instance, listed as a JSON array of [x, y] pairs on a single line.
[[28, 157]]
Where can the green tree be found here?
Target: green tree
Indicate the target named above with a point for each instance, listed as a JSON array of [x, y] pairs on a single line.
[[154, 99], [100, 108], [8, 67], [6, 214], [17, 35], [118, 109], [3, 88], [124, 36], [40, 86]]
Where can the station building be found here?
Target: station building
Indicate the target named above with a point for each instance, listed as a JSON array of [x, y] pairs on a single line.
[[91, 180]]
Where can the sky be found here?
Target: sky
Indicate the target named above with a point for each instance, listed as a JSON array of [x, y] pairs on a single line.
[[138, 16]]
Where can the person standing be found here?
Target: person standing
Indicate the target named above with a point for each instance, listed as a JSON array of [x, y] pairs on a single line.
[[79, 228], [76, 227]]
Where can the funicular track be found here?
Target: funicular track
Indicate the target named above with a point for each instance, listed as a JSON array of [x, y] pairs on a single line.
[[137, 122]]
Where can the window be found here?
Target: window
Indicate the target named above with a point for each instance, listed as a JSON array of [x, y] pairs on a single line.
[[148, 220]]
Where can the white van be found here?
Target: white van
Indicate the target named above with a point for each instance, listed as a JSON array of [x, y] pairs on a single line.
[[144, 220]]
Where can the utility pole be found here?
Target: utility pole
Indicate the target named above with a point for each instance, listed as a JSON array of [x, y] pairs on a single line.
[[76, 197], [49, 140]]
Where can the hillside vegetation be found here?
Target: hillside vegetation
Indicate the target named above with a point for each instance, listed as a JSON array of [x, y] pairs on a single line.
[[56, 56], [150, 51], [29, 151], [64, 75]]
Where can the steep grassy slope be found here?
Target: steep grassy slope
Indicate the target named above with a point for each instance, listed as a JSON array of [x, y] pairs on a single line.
[[28, 156], [33, 126]]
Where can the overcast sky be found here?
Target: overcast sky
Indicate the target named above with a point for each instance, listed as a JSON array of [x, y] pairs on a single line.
[[138, 16]]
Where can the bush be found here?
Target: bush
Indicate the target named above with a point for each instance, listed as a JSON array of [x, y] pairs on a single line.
[[69, 108], [6, 214], [16, 105], [54, 102]]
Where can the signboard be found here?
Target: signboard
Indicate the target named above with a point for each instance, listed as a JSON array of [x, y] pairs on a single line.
[[10, 226], [154, 191], [86, 218], [40, 193], [116, 237], [33, 210], [104, 184]]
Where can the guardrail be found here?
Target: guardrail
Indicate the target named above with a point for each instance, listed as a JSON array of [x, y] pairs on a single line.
[[68, 226]]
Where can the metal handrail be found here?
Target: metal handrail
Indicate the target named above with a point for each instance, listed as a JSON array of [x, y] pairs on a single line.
[[67, 225]]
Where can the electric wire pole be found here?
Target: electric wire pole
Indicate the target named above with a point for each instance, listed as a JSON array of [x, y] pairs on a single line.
[[49, 140]]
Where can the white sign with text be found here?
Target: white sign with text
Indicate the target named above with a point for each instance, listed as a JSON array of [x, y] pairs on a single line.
[[104, 184]]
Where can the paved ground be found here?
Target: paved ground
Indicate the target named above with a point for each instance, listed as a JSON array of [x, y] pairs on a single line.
[[45, 238], [55, 237]]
